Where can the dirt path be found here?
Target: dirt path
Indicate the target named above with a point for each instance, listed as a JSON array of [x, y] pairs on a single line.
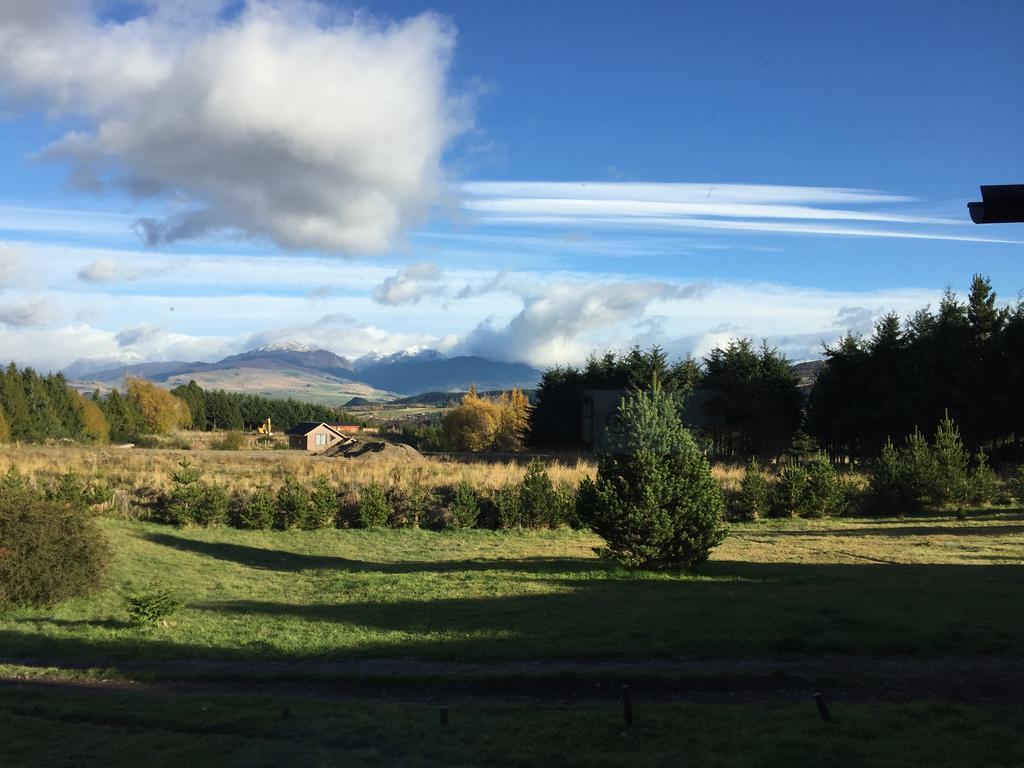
[[979, 679]]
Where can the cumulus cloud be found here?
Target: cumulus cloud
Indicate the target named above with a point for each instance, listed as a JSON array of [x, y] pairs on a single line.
[[130, 337], [98, 271], [857, 319], [27, 314], [552, 326], [287, 120], [409, 285]]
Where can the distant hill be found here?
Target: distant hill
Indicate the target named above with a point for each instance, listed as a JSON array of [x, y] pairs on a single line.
[[319, 375], [413, 376], [452, 397], [807, 372]]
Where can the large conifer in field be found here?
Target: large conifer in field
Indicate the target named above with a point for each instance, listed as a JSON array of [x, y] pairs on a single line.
[[654, 501]]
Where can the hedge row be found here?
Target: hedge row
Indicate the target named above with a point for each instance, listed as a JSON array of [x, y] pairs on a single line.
[[534, 502]]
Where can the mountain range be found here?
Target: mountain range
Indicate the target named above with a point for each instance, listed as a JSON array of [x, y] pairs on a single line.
[[318, 375]]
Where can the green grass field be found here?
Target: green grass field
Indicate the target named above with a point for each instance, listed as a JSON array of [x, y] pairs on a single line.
[[800, 586], [500, 612]]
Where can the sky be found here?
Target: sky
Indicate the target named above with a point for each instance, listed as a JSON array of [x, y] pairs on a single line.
[[525, 181]]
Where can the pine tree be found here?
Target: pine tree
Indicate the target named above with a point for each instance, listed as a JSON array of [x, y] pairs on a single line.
[[952, 465], [654, 501]]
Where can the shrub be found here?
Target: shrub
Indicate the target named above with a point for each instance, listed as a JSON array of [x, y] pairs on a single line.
[[293, 504], [509, 507], [13, 483], [754, 498], [537, 497], [823, 494], [421, 502], [465, 506], [790, 490], [1017, 484], [212, 506], [919, 471], [181, 504], [981, 487], [952, 464], [323, 505], [48, 552], [152, 606], [70, 491], [654, 501], [564, 510], [889, 490], [256, 510], [348, 507], [230, 441], [918, 474], [374, 509]]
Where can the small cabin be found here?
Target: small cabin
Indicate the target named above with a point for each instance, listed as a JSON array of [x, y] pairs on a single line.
[[313, 436]]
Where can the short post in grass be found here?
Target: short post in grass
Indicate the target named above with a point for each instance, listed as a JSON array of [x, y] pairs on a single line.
[[822, 707], [444, 715], [627, 705]]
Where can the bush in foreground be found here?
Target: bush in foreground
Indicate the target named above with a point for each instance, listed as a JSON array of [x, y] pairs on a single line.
[[654, 501], [48, 552]]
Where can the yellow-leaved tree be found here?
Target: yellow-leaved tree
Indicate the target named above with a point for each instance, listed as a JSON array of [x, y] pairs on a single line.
[[94, 423], [161, 410], [513, 418], [481, 424]]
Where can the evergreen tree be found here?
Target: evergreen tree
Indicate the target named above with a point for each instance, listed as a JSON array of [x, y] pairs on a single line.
[[654, 501]]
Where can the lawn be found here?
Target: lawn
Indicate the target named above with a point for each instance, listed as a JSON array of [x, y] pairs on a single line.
[[846, 586], [336, 647]]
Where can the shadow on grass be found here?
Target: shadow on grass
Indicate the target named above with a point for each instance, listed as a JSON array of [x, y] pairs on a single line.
[[882, 531], [283, 560], [736, 608], [72, 623]]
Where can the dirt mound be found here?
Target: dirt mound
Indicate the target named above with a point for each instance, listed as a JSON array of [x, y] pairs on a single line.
[[375, 450]]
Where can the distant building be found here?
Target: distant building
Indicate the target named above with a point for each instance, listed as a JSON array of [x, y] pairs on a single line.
[[600, 406], [314, 436]]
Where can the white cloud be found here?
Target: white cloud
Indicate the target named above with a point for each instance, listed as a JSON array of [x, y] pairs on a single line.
[[27, 314], [291, 121], [711, 207], [556, 325], [409, 285], [98, 271]]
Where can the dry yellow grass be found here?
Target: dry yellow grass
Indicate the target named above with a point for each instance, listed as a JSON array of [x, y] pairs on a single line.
[[135, 469], [149, 469]]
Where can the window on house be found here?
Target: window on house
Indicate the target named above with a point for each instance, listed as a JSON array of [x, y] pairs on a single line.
[[321, 439]]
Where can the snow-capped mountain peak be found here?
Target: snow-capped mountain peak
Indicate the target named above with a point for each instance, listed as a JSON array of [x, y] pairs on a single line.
[[285, 346], [419, 353]]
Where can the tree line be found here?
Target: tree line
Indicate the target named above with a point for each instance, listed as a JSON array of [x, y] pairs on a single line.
[[964, 359], [216, 409], [742, 401], [35, 408]]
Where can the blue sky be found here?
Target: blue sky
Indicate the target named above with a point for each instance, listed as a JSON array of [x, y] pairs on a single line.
[[524, 180]]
